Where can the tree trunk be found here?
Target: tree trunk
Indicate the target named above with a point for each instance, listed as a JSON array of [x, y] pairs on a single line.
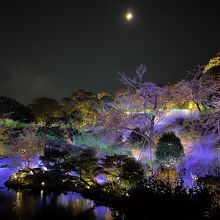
[[113, 187], [142, 148], [198, 107], [152, 145]]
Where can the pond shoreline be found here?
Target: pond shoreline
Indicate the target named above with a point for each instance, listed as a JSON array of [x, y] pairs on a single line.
[[11, 197], [65, 184], [98, 196]]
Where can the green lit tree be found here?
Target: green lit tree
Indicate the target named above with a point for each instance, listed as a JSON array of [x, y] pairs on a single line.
[[45, 109], [85, 163], [122, 171], [169, 148], [3, 138]]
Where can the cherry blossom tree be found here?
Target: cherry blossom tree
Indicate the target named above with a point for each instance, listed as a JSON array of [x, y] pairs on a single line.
[[211, 120], [27, 145], [197, 89], [153, 104]]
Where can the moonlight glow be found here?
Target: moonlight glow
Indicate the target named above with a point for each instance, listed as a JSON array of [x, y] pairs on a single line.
[[129, 16]]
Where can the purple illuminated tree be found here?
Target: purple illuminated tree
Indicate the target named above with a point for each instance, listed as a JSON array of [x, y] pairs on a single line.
[[211, 120], [197, 89], [27, 145], [153, 105]]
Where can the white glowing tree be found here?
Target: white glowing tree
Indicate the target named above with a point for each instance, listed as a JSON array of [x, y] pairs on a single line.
[[198, 89], [152, 101]]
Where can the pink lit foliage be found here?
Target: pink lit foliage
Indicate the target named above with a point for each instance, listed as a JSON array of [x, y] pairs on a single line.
[[197, 89], [26, 146], [209, 123], [153, 102], [211, 120]]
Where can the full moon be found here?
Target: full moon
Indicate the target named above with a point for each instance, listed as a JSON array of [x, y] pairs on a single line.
[[129, 16]]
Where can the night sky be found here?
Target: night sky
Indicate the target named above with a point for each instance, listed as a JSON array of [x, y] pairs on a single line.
[[53, 48]]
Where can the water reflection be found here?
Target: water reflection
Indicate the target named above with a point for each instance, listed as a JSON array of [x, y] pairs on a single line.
[[27, 204], [18, 204]]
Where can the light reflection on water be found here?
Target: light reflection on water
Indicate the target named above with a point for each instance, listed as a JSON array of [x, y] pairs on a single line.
[[26, 204], [39, 205]]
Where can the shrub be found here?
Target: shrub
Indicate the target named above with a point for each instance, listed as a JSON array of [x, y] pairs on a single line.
[[169, 148], [173, 203]]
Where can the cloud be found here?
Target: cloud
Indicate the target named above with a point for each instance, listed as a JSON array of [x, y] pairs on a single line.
[[25, 84]]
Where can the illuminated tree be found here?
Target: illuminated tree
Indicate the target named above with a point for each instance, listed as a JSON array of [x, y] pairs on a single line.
[[122, 171], [197, 90], [85, 163], [46, 108], [110, 119], [115, 116], [27, 145], [211, 121], [87, 114], [104, 96], [79, 107], [79, 96], [3, 134], [153, 101], [208, 123], [3, 138], [213, 65]]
